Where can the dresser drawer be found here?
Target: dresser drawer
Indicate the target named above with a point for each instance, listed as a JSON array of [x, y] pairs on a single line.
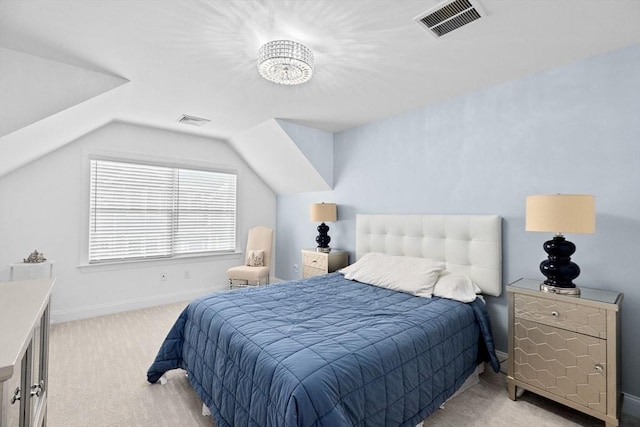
[[566, 315], [561, 362], [315, 260]]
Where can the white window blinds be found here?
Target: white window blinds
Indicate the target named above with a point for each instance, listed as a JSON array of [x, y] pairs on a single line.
[[142, 211]]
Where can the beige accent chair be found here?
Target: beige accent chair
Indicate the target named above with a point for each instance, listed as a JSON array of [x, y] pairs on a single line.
[[252, 273]]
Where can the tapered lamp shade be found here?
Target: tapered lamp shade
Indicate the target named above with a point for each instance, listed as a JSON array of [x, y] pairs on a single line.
[[560, 213], [321, 212]]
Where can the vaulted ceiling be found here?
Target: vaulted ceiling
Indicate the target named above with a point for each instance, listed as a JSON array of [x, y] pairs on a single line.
[[69, 66]]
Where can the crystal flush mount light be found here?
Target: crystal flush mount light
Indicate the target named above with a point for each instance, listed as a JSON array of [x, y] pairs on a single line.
[[285, 62]]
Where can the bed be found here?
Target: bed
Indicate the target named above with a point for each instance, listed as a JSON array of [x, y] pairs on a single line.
[[330, 351]]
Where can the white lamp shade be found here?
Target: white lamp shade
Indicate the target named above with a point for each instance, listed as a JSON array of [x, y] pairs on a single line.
[[321, 212], [561, 213]]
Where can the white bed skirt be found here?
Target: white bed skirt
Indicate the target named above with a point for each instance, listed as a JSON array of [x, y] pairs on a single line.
[[473, 379]]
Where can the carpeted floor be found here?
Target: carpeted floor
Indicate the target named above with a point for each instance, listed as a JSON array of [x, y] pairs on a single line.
[[97, 378]]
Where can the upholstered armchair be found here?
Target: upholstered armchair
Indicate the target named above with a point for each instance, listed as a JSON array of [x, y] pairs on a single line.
[[256, 268]]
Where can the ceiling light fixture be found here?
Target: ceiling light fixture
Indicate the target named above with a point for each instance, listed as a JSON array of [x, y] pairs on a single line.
[[285, 62]]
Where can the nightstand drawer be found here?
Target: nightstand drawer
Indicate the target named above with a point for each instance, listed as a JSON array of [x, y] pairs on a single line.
[[572, 317], [561, 362], [315, 260], [317, 263], [310, 271]]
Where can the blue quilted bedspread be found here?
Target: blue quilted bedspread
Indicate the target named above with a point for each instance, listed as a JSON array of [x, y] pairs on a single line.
[[325, 351]]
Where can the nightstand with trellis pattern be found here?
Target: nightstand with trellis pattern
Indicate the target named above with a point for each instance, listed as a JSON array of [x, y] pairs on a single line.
[[566, 348]]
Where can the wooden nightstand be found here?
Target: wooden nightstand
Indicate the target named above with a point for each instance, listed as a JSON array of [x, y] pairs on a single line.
[[317, 263], [566, 348]]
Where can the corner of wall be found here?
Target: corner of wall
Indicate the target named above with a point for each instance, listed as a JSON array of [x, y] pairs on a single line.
[[315, 144], [270, 150]]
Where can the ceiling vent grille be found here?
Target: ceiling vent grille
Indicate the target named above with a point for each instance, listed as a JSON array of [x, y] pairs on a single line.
[[449, 16], [192, 120]]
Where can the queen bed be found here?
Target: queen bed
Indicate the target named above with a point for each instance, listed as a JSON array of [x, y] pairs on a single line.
[[351, 348]]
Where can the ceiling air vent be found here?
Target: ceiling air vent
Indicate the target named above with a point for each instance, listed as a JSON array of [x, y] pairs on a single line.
[[449, 16], [192, 120]]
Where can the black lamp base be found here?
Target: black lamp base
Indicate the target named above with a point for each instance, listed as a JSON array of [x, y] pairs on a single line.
[[558, 268], [323, 238]]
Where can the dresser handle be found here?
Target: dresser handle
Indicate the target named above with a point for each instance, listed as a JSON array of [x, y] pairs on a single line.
[[555, 314], [16, 395], [599, 369], [36, 389]]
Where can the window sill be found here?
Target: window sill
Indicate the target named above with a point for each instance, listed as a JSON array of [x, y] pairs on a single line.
[[119, 265]]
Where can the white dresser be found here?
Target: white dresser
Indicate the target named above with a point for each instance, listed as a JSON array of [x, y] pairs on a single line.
[[24, 352]]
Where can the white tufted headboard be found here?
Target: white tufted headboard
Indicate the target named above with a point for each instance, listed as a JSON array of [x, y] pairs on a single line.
[[468, 244]]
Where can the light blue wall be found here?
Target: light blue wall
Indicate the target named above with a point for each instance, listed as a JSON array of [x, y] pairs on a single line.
[[575, 129]]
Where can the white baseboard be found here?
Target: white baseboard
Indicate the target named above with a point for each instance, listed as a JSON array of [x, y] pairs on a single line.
[[630, 403], [68, 315]]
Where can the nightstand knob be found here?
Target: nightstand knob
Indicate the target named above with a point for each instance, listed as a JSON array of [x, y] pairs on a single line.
[[599, 369], [555, 314]]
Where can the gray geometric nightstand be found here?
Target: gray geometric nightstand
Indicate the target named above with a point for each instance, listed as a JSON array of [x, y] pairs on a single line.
[[566, 348]]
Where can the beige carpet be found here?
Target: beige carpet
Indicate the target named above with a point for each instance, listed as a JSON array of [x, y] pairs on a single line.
[[98, 370]]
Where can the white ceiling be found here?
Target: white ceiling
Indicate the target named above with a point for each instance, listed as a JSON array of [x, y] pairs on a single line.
[[371, 59]]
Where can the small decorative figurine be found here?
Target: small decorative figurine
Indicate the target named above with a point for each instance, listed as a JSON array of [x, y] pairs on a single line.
[[35, 257]]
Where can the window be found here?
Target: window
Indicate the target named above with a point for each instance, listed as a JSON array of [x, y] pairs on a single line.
[[140, 211]]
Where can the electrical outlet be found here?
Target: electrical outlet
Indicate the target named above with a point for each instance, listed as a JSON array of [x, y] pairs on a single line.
[[187, 274], [295, 268], [163, 277]]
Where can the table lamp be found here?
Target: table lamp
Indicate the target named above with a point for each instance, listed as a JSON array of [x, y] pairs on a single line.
[[321, 212], [560, 213]]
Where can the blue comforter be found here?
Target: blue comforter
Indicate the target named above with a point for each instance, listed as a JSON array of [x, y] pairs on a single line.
[[325, 351]]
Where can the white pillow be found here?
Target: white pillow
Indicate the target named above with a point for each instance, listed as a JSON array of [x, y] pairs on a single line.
[[456, 286], [255, 258], [416, 276]]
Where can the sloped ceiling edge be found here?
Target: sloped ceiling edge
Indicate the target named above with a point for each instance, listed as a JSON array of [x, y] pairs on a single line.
[[33, 88], [47, 135], [275, 157], [315, 144]]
